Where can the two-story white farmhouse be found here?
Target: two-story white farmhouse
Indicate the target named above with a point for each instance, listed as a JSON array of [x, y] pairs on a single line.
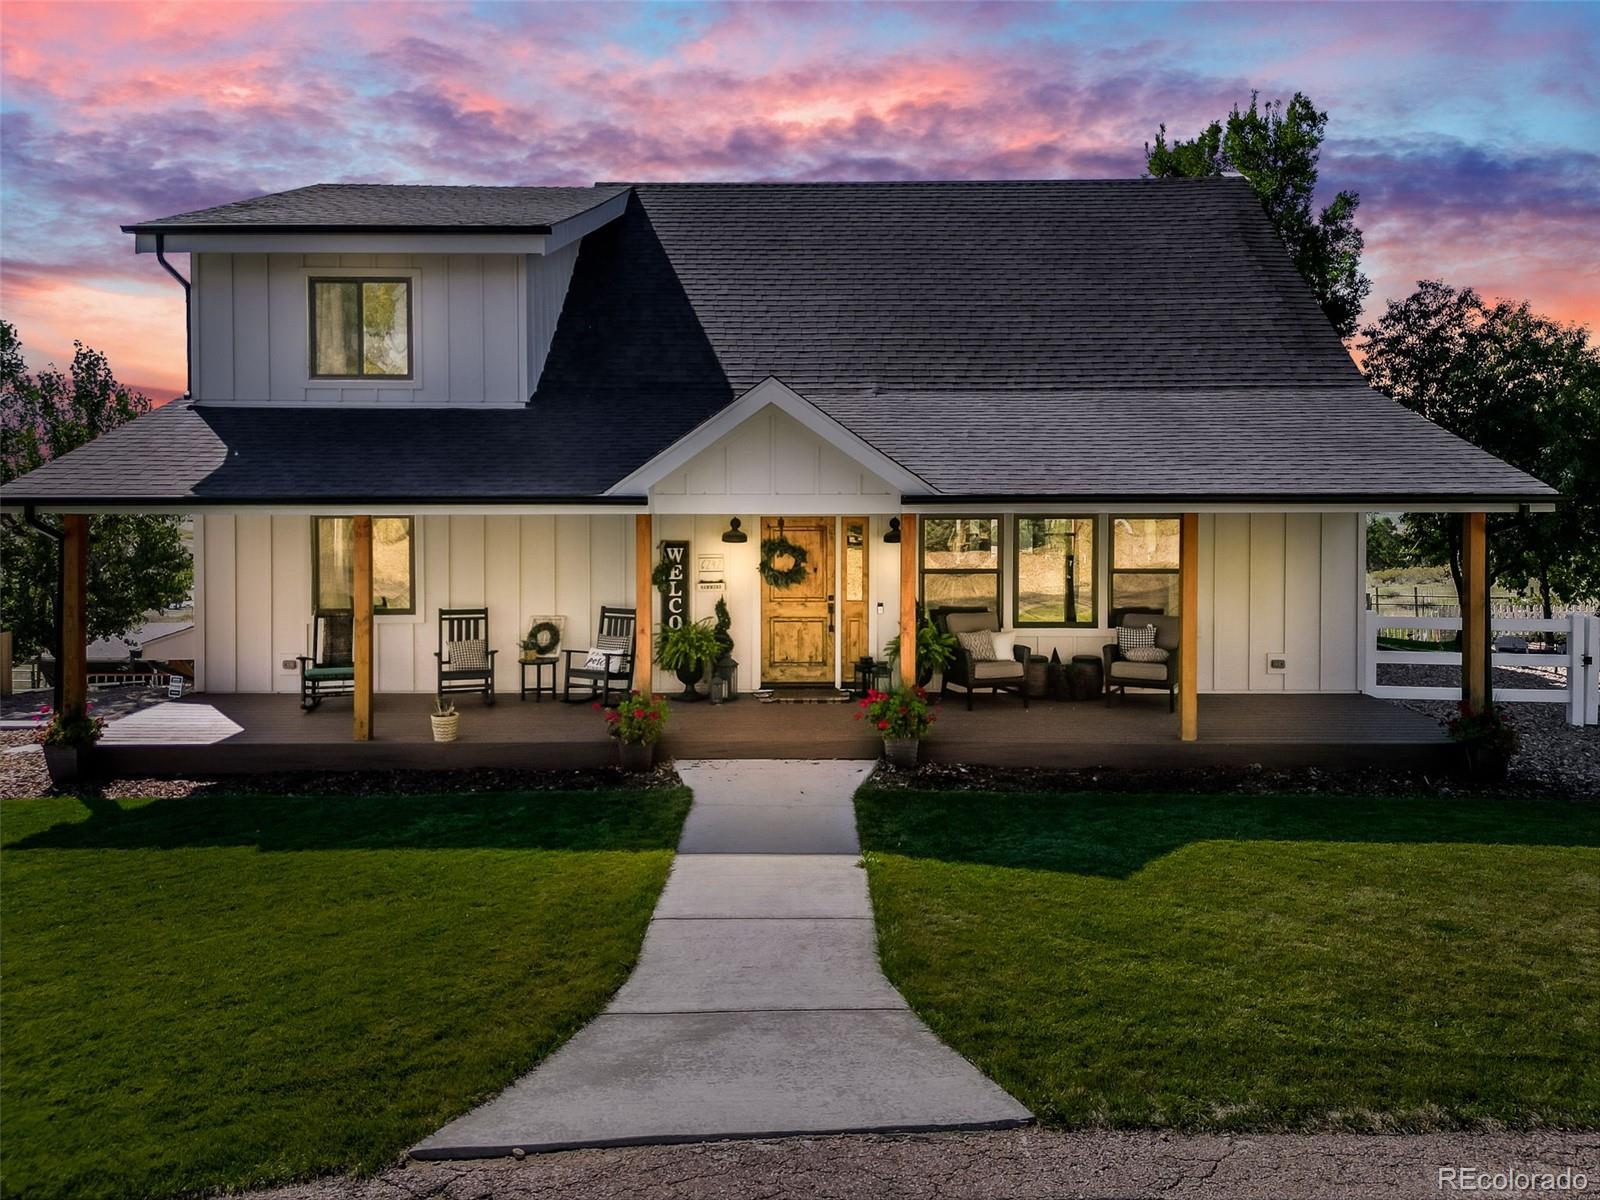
[[1064, 404]]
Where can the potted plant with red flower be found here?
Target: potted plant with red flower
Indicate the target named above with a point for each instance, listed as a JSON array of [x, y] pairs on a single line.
[[902, 718], [637, 724], [67, 739]]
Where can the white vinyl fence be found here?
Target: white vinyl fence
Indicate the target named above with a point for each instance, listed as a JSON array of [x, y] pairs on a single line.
[[1577, 663]]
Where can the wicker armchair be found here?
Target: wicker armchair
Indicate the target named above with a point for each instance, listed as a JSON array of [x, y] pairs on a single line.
[[1122, 674], [1006, 675]]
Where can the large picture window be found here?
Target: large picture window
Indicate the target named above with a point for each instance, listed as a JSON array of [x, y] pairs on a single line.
[[333, 564], [1144, 565], [961, 562], [1055, 571], [361, 328]]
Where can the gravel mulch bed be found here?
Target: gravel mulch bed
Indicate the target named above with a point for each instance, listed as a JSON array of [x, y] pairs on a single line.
[[1554, 756], [1024, 1164], [24, 775]]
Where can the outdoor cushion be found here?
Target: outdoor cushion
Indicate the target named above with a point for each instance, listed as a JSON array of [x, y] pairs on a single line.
[[1138, 670], [1146, 654], [1005, 643], [979, 644], [969, 622], [606, 656], [1168, 629], [995, 669], [1135, 637], [469, 655], [330, 672]]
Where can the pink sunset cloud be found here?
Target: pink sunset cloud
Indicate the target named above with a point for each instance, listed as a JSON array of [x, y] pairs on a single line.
[[1461, 126]]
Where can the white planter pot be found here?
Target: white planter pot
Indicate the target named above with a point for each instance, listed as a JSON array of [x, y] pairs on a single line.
[[446, 728]]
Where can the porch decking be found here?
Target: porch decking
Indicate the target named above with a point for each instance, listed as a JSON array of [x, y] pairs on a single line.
[[250, 733]]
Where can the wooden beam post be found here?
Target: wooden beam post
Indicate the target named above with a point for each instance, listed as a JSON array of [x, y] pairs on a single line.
[[1476, 657], [361, 601], [74, 664], [644, 603], [909, 544], [1189, 627]]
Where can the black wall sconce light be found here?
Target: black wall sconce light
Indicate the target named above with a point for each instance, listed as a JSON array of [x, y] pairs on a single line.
[[735, 534], [892, 538]]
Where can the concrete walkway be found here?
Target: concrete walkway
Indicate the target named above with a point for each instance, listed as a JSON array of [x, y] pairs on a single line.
[[758, 1008]]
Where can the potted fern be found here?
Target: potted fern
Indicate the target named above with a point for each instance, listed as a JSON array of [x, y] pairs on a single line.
[[688, 651], [935, 649]]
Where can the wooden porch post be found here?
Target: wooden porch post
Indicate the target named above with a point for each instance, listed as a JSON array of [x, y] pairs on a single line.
[[908, 598], [1189, 626], [74, 664], [643, 602], [1476, 659], [361, 601]]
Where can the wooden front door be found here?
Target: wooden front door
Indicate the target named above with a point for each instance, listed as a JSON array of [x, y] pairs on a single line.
[[797, 622]]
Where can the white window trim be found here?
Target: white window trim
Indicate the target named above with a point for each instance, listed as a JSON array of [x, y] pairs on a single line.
[[317, 382]]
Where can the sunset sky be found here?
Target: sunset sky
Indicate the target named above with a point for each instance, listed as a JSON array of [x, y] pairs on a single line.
[[1470, 131]]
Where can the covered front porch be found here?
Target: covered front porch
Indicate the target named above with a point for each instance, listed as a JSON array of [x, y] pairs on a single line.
[[243, 733]]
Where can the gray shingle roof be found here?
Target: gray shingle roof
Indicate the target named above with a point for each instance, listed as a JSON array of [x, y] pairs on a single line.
[[1112, 338], [409, 207], [1331, 444], [217, 454], [994, 285], [1281, 442]]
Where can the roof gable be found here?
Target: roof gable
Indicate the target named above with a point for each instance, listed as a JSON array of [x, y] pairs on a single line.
[[709, 436]]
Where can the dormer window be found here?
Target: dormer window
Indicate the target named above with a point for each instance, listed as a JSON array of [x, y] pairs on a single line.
[[360, 328]]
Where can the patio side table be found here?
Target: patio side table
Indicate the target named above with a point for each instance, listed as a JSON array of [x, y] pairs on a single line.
[[540, 688]]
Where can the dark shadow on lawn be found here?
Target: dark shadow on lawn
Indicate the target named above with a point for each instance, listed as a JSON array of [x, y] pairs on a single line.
[[535, 820], [1116, 835]]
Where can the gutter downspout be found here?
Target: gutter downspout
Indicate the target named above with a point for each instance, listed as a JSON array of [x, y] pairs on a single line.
[[188, 323], [31, 516]]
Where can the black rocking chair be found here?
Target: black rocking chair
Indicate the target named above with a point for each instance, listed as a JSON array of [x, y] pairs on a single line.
[[615, 640], [466, 664], [329, 670]]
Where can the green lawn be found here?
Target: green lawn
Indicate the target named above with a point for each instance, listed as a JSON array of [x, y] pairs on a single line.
[[224, 991], [1252, 963]]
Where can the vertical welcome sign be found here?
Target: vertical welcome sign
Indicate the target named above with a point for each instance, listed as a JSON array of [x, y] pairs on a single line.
[[675, 591]]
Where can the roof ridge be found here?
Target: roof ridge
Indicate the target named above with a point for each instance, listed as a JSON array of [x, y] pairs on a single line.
[[906, 183]]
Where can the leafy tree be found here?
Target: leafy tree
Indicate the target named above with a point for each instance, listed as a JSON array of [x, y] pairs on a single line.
[[1526, 389], [136, 563], [1275, 147], [1386, 545]]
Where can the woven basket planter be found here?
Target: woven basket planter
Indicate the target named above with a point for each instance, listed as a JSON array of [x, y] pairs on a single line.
[[445, 728]]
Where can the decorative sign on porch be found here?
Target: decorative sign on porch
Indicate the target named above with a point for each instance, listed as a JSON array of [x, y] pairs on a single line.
[[672, 581], [708, 573]]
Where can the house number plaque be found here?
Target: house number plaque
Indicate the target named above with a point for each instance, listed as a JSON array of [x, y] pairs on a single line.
[[675, 595]]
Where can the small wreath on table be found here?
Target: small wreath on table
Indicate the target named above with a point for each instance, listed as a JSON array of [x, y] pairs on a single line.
[[542, 639], [772, 549]]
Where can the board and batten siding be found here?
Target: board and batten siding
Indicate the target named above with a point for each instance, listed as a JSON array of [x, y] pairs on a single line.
[[481, 326], [773, 465], [255, 592], [1284, 584]]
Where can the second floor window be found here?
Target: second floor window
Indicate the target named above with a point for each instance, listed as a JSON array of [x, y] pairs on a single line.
[[361, 328]]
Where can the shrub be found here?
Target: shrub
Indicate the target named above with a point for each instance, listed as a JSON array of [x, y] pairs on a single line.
[[80, 730]]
